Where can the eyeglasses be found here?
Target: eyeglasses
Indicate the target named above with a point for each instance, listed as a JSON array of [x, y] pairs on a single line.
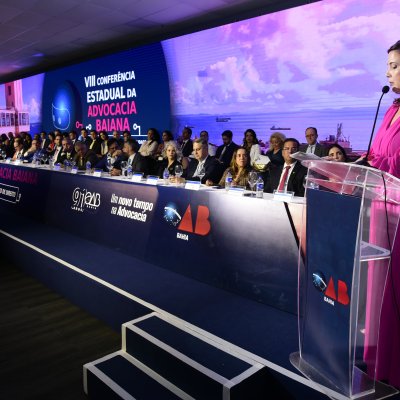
[[290, 148]]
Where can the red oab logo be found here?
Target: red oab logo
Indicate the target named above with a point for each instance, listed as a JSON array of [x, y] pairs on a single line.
[[341, 295], [199, 224], [331, 292], [202, 225]]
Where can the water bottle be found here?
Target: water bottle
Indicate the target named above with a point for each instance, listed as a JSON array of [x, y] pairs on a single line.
[[260, 188], [166, 176], [34, 160], [228, 180], [88, 167], [129, 172]]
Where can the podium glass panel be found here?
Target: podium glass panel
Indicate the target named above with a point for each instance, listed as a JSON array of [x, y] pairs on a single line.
[[351, 221]]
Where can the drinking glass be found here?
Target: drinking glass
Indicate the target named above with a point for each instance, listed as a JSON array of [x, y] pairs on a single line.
[[124, 166], [178, 173], [109, 164], [253, 177]]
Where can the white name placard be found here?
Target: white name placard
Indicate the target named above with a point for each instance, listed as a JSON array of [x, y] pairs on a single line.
[[193, 185], [152, 180], [236, 191], [283, 196], [137, 177]]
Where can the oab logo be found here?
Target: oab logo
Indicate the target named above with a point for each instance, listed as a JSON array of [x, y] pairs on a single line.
[[199, 224], [83, 200], [331, 295]]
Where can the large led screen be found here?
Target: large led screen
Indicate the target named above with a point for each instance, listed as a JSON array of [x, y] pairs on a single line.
[[321, 65]]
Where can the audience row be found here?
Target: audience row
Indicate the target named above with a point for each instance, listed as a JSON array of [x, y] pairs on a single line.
[[178, 160]]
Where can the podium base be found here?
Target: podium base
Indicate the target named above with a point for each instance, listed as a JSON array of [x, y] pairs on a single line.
[[364, 388]]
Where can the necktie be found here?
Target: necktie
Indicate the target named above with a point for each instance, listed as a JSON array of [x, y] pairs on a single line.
[[198, 169], [284, 178], [222, 153]]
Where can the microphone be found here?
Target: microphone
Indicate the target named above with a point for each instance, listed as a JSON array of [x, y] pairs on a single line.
[[364, 161]]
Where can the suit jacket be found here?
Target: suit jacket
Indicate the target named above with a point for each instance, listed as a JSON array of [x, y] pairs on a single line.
[[164, 164], [227, 156], [89, 156], [95, 146], [214, 170], [44, 144], [187, 149], [88, 140], [139, 163], [295, 182], [66, 156], [53, 153], [320, 151]]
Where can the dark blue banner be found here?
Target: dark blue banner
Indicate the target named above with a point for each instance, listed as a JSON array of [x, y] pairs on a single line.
[[328, 282], [241, 244]]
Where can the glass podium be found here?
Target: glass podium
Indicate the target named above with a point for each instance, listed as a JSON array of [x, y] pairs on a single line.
[[351, 219]]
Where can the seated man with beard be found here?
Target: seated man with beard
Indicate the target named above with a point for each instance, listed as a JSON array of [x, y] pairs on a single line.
[[134, 159]]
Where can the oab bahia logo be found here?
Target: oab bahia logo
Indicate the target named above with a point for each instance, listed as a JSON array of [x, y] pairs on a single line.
[[200, 226], [331, 295]]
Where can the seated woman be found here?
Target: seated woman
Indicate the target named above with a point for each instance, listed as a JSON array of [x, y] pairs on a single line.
[[239, 169], [250, 143], [148, 150], [337, 153], [167, 136], [51, 136], [275, 148], [173, 154]]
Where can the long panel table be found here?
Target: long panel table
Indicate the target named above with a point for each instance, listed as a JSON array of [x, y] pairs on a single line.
[[244, 245]]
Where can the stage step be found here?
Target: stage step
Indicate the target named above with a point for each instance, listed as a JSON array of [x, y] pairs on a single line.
[[119, 376], [193, 360], [165, 358]]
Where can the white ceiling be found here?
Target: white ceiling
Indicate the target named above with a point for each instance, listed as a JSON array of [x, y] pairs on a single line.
[[37, 35]]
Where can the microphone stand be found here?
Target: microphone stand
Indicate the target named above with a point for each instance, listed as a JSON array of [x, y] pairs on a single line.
[[364, 161]]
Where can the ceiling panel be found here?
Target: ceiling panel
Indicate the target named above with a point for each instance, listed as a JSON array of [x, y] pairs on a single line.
[[68, 31], [8, 13]]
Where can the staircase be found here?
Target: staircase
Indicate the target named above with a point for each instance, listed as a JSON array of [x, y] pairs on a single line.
[[163, 358]]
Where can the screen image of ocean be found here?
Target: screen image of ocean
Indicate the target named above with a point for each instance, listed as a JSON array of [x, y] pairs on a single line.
[[356, 123]]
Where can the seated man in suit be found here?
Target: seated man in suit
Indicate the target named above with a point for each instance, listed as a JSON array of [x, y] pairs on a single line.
[[213, 169], [212, 148], [72, 136], [84, 155], [18, 149], [85, 138], [225, 151], [95, 146], [114, 152], [290, 176], [134, 159], [312, 145], [55, 153], [67, 152], [35, 147], [186, 142]]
